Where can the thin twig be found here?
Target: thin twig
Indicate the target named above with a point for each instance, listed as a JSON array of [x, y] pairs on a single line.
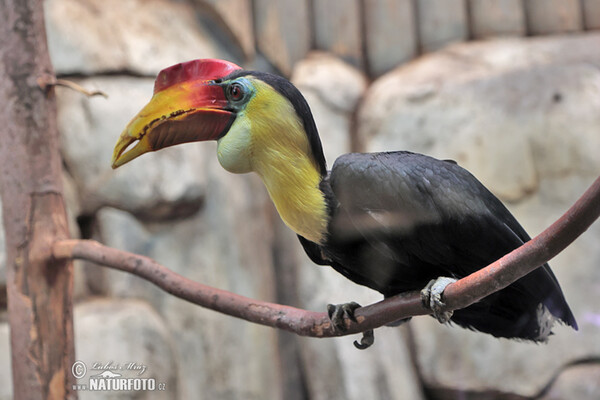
[[47, 80], [460, 294]]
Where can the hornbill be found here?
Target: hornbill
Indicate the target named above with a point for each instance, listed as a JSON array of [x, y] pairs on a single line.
[[393, 221]]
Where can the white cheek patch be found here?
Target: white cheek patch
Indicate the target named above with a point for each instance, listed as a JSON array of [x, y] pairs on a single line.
[[234, 149]]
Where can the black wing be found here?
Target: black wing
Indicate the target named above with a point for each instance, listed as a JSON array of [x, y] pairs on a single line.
[[401, 219]]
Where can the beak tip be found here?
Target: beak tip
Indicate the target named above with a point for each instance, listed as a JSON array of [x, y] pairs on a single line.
[[115, 162], [120, 154]]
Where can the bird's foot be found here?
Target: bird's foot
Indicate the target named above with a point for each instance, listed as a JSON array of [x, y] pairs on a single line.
[[337, 312], [431, 296], [366, 341]]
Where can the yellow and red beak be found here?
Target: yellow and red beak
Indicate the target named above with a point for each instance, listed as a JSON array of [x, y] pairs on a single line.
[[187, 106]]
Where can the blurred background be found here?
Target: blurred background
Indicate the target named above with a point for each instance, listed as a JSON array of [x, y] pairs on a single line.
[[508, 88]]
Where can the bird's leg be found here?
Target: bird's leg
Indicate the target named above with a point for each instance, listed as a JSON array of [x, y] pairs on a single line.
[[337, 312], [431, 296]]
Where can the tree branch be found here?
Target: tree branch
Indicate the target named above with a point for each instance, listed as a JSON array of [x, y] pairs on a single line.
[[46, 81], [39, 288], [460, 294]]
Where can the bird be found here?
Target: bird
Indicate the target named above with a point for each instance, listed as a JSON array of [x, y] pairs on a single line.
[[393, 221]]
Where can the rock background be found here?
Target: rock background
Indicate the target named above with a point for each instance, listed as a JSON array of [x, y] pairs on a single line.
[[519, 111]]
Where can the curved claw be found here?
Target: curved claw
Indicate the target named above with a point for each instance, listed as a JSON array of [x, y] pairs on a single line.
[[431, 296], [337, 312], [366, 341]]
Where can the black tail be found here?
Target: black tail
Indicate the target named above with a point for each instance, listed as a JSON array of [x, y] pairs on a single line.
[[527, 309]]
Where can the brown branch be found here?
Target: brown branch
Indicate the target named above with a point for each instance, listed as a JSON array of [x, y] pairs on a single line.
[[47, 81], [309, 323]]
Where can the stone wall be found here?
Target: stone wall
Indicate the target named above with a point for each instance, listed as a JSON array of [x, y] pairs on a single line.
[[520, 112]]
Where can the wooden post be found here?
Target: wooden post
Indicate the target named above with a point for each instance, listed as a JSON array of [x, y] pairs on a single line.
[[490, 18], [441, 22], [39, 287], [546, 17]]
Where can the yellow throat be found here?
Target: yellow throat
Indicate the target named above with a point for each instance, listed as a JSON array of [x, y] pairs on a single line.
[[278, 150]]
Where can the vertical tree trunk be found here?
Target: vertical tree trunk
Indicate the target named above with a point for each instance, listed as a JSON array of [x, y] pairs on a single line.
[[39, 288]]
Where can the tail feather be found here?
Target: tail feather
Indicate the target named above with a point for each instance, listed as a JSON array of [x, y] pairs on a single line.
[[527, 309]]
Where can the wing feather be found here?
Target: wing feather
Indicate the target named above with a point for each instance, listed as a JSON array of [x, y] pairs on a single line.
[[421, 217]]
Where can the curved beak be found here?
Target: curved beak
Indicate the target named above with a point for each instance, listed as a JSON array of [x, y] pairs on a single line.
[[186, 112]]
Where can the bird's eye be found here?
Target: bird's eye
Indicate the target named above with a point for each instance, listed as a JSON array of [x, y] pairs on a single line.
[[236, 92]]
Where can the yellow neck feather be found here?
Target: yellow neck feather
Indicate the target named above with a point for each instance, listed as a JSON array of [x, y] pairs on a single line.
[[294, 188], [281, 156]]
